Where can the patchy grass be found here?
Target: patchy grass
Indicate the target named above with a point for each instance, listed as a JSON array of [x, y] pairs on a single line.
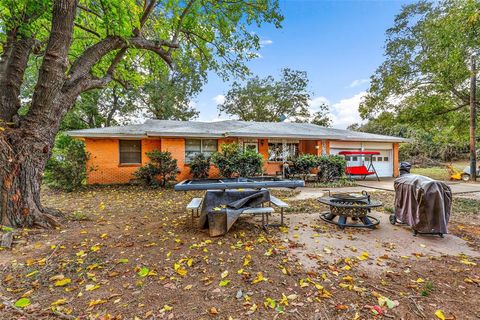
[[437, 173], [334, 184], [138, 256]]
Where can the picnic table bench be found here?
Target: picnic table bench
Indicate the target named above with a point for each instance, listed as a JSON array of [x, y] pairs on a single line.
[[196, 204]]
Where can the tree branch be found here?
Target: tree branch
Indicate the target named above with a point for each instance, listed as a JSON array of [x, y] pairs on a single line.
[[88, 30], [89, 11]]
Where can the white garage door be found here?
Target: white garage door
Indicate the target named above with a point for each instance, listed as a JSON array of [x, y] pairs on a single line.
[[383, 163]]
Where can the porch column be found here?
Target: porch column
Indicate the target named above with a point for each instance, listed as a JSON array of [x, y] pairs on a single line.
[[395, 160]]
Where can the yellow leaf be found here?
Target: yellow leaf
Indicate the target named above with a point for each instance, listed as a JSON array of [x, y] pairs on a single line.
[[32, 273], [419, 280], [259, 278], [467, 262], [189, 262], [181, 272], [63, 282], [91, 287], [440, 315], [96, 302], [224, 274], [224, 283], [167, 308], [188, 287], [58, 302], [364, 256], [80, 253], [246, 260]]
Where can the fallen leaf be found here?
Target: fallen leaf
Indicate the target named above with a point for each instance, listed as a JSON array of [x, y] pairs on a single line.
[[22, 303]]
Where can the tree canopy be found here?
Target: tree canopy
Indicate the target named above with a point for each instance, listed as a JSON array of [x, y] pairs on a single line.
[[269, 100], [423, 80]]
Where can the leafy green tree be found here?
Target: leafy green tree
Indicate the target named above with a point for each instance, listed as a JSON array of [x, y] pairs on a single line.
[[67, 168], [167, 94], [82, 45], [321, 118], [423, 81], [269, 100]]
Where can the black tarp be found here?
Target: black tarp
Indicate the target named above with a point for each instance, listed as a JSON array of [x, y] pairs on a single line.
[[423, 203], [220, 209]]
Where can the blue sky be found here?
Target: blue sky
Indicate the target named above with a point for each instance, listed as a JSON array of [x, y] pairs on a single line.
[[339, 44]]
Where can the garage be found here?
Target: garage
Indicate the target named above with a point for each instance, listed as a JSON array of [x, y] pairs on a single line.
[[383, 163]]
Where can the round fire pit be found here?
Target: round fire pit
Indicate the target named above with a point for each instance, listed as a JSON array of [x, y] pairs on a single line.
[[353, 206]]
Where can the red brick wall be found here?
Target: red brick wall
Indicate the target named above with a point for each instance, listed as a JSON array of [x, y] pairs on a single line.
[[105, 157], [105, 160]]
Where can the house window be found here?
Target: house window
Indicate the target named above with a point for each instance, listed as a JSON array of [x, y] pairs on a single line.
[[130, 151], [196, 146], [277, 151], [253, 146]]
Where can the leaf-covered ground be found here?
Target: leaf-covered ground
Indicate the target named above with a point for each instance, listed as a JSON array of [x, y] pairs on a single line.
[[133, 253]]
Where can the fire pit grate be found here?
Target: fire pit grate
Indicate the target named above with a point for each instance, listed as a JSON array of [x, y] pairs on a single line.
[[353, 206]]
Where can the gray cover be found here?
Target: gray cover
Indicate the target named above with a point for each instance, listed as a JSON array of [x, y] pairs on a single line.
[[233, 203], [423, 203]]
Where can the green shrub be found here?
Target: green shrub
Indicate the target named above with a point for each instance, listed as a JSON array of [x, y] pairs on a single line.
[[250, 163], [331, 168], [200, 166], [233, 161], [67, 167], [304, 163], [161, 169]]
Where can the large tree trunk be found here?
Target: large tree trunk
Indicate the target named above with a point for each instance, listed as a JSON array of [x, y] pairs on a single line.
[[25, 148], [21, 169]]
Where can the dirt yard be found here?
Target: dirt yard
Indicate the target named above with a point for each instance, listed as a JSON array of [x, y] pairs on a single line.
[[133, 253]]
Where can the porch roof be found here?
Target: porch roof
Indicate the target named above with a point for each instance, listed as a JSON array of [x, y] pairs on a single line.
[[231, 128]]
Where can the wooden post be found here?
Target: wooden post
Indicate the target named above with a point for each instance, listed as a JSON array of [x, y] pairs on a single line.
[[473, 119]]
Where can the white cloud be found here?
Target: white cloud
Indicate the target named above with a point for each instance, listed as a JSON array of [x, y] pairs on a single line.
[[317, 102], [266, 42], [358, 82], [345, 112], [219, 99]]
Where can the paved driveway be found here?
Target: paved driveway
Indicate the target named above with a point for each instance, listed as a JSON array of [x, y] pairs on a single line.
[[458, 188]]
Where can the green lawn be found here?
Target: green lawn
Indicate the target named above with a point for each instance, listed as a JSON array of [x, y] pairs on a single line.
[[439, 172]]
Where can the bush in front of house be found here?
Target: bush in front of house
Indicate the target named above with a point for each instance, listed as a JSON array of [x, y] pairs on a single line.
[[161, 169], [67, 167], [250, 163], [200, 166], [304, 163], [331, 167], [233, 161]]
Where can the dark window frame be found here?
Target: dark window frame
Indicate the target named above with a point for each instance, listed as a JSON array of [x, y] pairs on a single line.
[[209, 153], [120, 161]]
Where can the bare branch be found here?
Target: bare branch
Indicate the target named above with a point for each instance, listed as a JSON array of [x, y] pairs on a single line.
[[89, 11], [186, 10], [88, 30]]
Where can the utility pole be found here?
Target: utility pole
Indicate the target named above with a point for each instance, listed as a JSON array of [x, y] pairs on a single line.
[[473, 117]]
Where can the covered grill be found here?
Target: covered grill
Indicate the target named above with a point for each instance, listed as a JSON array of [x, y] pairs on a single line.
[[422, 203]]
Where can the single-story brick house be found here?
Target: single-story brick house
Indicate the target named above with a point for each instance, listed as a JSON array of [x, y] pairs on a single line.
[[116, 152]]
